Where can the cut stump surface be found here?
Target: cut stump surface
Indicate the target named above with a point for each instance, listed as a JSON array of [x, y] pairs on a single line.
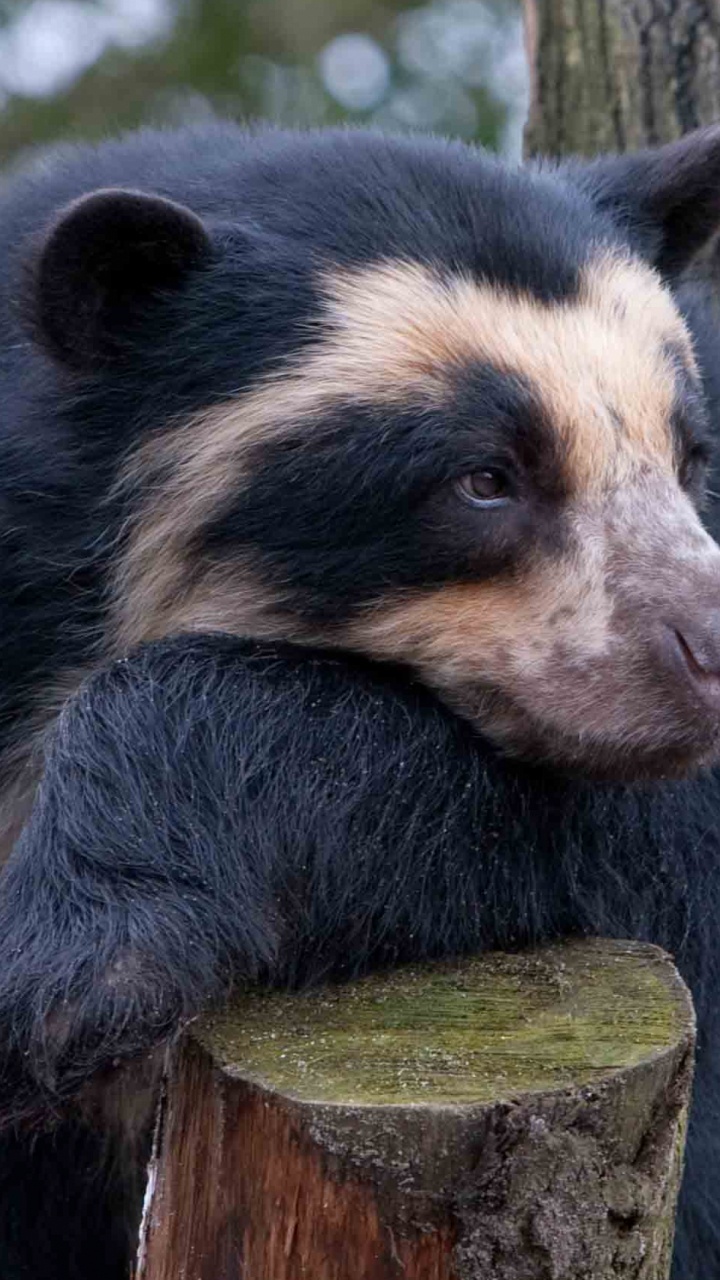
[[508, 1117]]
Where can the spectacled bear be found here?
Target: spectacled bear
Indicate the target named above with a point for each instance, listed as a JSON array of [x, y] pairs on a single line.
[[360, 598]]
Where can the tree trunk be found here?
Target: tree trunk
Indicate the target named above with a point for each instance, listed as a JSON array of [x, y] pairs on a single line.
[[512, 1117], [610, 75]]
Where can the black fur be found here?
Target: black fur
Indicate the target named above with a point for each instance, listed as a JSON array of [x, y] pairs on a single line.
[[216, 809], [213, 809], [330, 554], [68, 1204], [668, 199], [107, 254]]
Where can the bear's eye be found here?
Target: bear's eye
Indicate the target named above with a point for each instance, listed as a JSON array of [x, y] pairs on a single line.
[[489, 487]]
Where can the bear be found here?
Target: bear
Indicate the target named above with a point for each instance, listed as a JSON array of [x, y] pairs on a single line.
[[361, 601]]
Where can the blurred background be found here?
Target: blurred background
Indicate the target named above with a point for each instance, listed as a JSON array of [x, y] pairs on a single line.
[[86, 68]]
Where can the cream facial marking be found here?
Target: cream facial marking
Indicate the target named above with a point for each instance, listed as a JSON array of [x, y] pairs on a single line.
[[389, 334], [599, 362]]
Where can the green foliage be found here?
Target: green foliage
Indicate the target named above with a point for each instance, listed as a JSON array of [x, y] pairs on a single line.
[[87, 68]]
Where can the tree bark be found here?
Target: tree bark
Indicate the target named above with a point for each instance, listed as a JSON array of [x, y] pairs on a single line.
[[614, 75], [513, 1117]]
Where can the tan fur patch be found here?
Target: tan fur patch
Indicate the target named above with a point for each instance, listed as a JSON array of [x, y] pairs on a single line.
[[22, 762], [500, 632], [391, 333], [18, 786], [597, 360]]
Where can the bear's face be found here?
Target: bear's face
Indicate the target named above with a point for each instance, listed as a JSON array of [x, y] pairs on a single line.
[[496, 487], [497, 491], [576, 458]]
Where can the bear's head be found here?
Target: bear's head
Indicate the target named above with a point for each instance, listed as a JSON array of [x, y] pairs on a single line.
[[411, 403]]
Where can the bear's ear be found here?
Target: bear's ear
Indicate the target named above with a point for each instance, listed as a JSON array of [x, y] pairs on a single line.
[[100, 263], [668, 197]]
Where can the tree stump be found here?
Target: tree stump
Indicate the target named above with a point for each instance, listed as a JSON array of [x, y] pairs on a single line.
[[512, 1117]]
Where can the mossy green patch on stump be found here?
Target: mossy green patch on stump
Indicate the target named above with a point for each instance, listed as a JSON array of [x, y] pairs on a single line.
[[471, 1031]]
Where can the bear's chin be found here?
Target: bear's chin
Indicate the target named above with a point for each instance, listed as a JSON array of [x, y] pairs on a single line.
[[613, 762], [672, 749]]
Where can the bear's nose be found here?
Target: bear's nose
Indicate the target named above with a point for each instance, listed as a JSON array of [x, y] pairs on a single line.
[[692, 648]]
